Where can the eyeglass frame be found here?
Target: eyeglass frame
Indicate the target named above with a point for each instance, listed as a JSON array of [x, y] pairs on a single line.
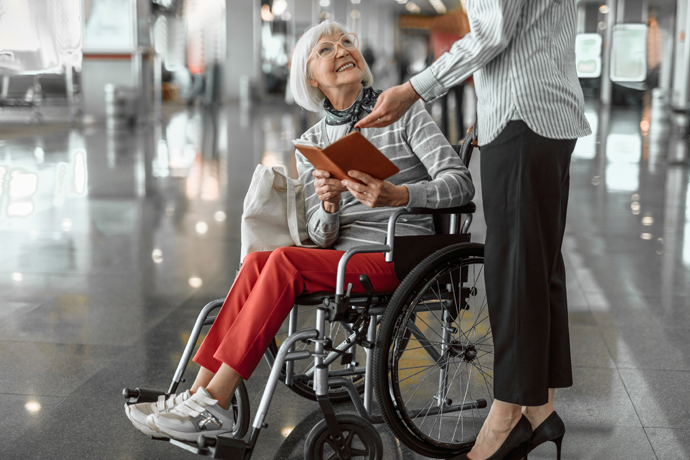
[[335, 45]]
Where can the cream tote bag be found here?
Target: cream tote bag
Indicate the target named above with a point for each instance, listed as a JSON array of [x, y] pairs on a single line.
[[273, 215]]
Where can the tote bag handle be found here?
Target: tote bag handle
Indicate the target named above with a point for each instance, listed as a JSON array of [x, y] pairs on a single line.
[[293, 226]]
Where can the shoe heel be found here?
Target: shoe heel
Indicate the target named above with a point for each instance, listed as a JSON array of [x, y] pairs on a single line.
[[558, 442], [526, 449]]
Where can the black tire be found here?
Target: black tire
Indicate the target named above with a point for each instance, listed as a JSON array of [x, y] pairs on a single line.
[[444, 293], [241, 411], [337, 334], [360, 436]]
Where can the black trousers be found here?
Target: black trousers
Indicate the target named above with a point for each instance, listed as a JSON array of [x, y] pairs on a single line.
[[525, 183]]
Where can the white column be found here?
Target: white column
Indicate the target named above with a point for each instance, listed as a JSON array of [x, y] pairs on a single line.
[[610, 21], [243, 50], [581, 17], [666, 67], [315, 10], [620, 12], [681, 59]]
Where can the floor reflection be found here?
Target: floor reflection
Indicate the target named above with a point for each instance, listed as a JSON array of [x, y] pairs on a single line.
[[110, 241]]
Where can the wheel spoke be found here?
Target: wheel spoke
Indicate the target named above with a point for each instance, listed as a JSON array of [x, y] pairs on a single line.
[[438, 338]]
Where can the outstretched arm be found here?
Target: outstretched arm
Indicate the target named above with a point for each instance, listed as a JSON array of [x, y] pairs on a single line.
[[390, 106], [493, 25]]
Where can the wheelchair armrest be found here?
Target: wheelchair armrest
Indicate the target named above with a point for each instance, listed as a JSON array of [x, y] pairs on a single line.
[[368, 249], [469, 208]]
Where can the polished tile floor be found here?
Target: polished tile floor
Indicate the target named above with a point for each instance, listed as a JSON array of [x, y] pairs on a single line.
[[111, 241]]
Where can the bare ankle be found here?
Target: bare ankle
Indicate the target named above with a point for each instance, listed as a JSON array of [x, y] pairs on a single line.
[[537, 414]]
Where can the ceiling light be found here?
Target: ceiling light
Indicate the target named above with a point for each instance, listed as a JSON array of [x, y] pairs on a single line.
[[438, 6], [279, 7], [413, 8], [201, 227]]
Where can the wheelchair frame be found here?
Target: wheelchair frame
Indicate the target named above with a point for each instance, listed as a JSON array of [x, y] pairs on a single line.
[[343, 307]]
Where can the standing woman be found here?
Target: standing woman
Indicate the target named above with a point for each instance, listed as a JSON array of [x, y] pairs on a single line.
[[530, 113]]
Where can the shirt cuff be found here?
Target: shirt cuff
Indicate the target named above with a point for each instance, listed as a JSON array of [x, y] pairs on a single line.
[[427, 86], [417, 195], [327, 222]]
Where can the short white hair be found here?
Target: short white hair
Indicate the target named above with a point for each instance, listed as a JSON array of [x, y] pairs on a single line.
[[306, 95]]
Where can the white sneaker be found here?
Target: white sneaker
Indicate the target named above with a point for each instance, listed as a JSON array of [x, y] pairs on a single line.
[[137, 413], [199, 414]]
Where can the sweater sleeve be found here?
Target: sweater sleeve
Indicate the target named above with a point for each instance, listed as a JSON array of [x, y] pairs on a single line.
[[451, 184], [323, 227], [492, 24]]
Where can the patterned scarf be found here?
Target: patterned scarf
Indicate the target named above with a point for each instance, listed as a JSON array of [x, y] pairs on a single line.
[[351, 115]]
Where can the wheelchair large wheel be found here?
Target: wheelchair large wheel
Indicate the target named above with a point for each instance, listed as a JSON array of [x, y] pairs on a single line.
[[337, 332], [434, 354], [360, 436]]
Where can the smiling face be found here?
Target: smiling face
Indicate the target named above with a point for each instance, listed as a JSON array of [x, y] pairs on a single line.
[[342, 74]]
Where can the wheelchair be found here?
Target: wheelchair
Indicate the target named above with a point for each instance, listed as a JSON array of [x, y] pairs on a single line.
[[427, 352]]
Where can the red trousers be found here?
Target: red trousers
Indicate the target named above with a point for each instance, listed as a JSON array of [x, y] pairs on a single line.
[[263, 295]]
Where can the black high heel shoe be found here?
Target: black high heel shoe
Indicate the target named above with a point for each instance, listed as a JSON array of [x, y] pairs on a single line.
[[552, 429], [516, 442]]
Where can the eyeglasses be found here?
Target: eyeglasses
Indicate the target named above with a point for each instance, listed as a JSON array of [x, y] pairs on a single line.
[[328, 50]]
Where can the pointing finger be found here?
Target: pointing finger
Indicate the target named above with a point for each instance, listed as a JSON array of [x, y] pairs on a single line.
[[371, 119]]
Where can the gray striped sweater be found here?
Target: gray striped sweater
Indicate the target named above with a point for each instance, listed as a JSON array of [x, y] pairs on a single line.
[[429, 167], [522, 55]]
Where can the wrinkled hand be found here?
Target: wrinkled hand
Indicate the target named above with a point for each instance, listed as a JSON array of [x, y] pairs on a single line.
[[390, 106], [376, 193], [328, 190]]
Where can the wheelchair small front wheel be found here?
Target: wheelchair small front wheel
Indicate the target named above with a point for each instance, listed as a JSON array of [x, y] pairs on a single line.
[[240, 411], [360, 436]]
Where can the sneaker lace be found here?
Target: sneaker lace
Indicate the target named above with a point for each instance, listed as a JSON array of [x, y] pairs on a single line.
[[173, 400], [161, 403], [195, 405]]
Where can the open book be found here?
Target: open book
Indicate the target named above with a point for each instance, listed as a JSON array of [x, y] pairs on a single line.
[[351, 152]]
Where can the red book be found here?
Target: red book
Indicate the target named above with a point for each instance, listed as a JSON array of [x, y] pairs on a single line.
[[352, 152]]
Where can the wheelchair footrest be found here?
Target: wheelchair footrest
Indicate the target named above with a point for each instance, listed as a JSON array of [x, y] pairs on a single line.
[[223, 447], [141, 395]]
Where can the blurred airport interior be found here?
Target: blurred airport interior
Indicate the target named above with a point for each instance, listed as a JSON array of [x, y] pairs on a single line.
[[129, 131]]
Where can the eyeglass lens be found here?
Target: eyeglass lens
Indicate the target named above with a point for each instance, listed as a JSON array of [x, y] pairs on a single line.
[[327, 50]]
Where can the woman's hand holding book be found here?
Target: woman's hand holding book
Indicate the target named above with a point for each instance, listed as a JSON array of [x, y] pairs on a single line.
[[376, 193]]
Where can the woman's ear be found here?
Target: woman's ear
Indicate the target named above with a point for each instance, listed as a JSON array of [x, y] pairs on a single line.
[[313, 83]]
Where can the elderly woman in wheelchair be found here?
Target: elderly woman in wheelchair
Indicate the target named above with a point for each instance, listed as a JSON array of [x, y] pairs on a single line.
[[328, 72]]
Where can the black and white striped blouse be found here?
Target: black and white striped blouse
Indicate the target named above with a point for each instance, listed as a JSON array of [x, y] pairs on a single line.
[[429, 168], [522, 56]]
